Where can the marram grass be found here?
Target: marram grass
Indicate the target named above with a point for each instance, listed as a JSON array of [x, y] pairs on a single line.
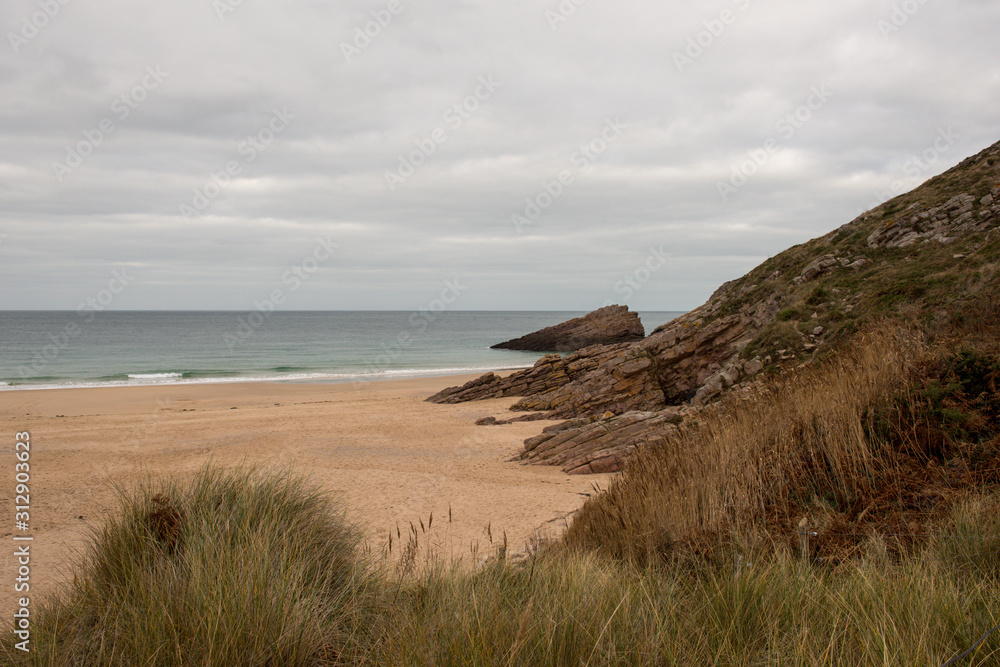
[[236, 567], [251, 567], [578, 609]]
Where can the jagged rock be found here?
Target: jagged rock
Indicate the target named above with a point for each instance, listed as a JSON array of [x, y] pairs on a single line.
[[549, 372], [621, 382], [485, 386], [604, 326], [818, 267], [688, 351], [591, 445], [940, 223]]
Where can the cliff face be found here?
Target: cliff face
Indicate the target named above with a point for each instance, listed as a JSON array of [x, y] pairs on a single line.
[[925, 255]]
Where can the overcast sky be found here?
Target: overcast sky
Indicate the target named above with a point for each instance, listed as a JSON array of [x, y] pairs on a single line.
[[213, 154]]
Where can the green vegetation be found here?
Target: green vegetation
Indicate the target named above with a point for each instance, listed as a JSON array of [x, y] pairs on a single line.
[[789, 314], [212, 575], [235, 568], [582, 610]]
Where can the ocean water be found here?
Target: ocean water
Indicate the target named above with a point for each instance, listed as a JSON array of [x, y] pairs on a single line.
[[46, 349]]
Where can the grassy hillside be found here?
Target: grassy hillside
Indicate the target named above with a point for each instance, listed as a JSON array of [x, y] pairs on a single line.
[[892, 422], [939, 285]]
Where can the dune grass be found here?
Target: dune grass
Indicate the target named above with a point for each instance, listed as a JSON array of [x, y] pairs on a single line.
[[583, 609], [247, 568], [247, 583], [235, 567]]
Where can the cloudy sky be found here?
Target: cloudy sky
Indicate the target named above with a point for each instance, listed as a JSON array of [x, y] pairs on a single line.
[[538, 154]]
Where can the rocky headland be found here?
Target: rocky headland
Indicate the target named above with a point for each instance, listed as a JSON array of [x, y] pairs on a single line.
[[905, 257], [605, 326]]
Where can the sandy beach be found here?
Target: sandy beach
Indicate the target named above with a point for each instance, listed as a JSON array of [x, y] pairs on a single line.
[[390, 456]]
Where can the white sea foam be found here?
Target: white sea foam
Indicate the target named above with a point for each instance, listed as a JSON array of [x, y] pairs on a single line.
[[178, 379]]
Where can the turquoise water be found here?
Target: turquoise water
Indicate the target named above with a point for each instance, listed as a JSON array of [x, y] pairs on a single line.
[[44, 349]]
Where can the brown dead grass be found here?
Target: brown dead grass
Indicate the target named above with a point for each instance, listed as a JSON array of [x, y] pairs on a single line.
[[880, 441], [164, 522]]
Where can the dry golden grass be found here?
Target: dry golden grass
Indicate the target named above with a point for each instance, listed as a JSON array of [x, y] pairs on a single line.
[[852, 444]]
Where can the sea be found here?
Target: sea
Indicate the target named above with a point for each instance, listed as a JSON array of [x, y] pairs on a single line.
[[63, 349]]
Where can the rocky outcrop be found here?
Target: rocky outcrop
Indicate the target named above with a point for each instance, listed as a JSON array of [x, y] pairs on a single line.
[[598, 444], [960, 214], [828, 263], [625, 380], [604, 326], [595, 380], [689, 350], [616, 397], [548, 373]]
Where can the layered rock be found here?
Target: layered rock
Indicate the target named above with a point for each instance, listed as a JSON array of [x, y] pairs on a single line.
[[604, 326], [616, 382], [617, 396], [549, 372], [598, 444], [960, 214], [828, 263], [689, 350]]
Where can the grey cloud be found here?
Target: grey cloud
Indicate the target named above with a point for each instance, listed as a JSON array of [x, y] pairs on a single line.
[[656, 184]]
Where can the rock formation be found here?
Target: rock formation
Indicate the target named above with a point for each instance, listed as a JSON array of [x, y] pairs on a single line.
[[812, 297], [594, 445], [608, 325], [943, 223]]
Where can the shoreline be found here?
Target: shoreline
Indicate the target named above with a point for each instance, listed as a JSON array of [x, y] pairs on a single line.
[[391, 457], [310, 378]]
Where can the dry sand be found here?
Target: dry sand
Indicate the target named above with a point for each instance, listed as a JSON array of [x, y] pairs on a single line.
[[392, 458]]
